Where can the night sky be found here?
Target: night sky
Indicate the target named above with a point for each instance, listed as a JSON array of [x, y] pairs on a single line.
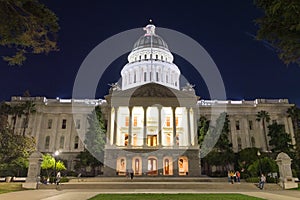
[[250, 69]]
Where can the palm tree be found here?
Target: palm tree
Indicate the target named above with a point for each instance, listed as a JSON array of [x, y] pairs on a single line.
[[264, 117], [294, 114]]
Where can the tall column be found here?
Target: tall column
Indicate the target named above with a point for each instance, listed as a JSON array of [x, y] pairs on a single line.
[[189, 126], [194, 127], [145, 127], [108, 132], [115, 126], [174, 125], [130, 127], [159, 126]]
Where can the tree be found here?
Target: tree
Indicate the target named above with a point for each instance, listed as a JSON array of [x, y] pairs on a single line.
[[14, 149], [221, 154], [294, 114], [280, 140], [48, 164], [264, 117], [16, 111], [246, 157], [203, 126], [280, 26], [27, 27], [94, 141], [28, 109], [267, 165]]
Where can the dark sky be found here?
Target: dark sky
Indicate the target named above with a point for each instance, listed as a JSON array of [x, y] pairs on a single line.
[[250, 69]]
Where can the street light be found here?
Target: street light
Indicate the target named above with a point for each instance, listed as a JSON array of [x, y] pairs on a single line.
[[56, 153], [258, 155]]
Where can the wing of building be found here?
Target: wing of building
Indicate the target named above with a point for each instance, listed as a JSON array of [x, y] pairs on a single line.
[[151, 121]]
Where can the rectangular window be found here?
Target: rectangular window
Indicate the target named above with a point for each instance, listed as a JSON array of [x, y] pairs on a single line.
[[177, 120], [150, 76], [64, 124], [250, 124], [156, 76], [145, 76], [126, 121], [134, 78], [152, 140], [135, 121], [237, 125], [274, 121], [77, 124], [168, 121], [50, 123]]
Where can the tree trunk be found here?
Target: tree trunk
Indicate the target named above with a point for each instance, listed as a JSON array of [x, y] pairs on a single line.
[[265, 134]]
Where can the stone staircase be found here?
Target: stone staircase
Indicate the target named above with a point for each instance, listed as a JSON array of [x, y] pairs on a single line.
[[202, 183]]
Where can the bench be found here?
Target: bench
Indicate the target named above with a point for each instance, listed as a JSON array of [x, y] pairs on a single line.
[[19, 179]]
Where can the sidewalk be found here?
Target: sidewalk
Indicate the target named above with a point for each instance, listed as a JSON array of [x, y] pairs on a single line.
[[83, 194]]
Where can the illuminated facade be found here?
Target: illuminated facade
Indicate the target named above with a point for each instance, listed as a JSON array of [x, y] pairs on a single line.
[[151, 121]]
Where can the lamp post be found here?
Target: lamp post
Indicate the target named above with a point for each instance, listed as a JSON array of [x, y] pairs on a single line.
[[258, 155], [56, 153]]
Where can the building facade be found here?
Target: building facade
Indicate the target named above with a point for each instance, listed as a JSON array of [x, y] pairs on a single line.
[[151, 120]]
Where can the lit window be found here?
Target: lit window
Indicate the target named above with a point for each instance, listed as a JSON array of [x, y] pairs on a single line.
[[64, 124], [177, 120], [135, 121], [168, 121], [127, 121], [152, 140]]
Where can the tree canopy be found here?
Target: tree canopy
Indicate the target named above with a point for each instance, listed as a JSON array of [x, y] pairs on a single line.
[[93, 153], [26, 27], [280, 26]]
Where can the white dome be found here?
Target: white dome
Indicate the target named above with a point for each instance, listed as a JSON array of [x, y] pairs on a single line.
[[150, 61]]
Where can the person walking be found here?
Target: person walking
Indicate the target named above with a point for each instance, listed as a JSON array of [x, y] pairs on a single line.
[[58, 177], [262, 181], [231, 177], [238, 176]]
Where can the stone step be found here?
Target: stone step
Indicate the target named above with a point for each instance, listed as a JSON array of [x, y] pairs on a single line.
[[149, 179], [161, 185]]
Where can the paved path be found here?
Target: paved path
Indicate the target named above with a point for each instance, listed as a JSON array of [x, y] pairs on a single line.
[[88, 193]]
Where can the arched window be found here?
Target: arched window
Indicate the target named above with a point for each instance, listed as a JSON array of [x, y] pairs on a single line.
[[183, 166], [167, 167], [62, 142], [239, 141], [76, 142], [152, 166], [156, 57], [47, 142], [145, 56], [137, 166]]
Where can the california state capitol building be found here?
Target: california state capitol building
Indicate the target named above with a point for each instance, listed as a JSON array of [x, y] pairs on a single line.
[[151, 118]]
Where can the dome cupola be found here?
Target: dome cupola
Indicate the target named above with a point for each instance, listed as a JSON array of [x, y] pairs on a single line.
[[150, 61]]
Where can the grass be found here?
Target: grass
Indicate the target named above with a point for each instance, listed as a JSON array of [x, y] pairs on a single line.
[[173, 197], [10, 187]]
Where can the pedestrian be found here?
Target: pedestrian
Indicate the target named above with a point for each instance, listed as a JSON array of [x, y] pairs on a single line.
[[228, 176], [238, 176], [58, 177], [262, 181], [231, 176], [131, 174]]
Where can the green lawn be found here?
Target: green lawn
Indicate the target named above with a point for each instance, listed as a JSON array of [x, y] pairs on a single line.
[[173, 197], [10, 187]]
